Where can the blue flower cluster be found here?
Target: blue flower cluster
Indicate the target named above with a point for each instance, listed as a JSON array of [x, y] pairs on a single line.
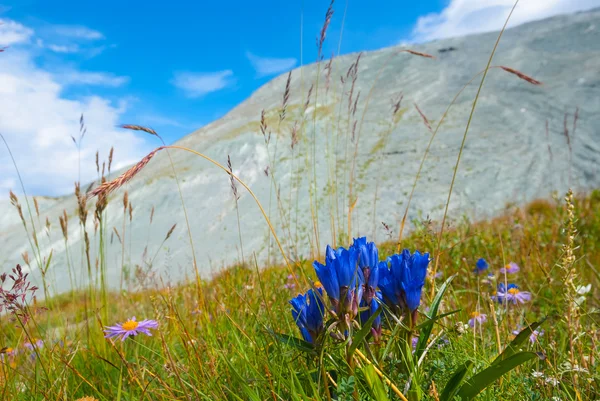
[[351, 278]]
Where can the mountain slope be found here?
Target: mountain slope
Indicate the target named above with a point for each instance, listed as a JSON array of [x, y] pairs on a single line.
[[508, 155]]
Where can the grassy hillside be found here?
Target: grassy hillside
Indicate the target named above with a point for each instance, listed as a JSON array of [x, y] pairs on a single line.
[[218, 340]]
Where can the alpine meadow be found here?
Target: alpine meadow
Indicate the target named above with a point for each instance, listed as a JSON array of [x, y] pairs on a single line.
[[418, 222]]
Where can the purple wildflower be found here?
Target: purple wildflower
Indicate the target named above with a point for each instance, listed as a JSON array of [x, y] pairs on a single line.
[[37, 344], [534, 335], [511, 294], [510, 268], [130, 328], [413, 342], [477, 318], [290, 285]]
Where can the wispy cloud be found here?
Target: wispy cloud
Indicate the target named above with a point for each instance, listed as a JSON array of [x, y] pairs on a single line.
[[11, 33], [77, 32], [76, 77], [463, 17], [265, 66], [197, 84], [63, 48]]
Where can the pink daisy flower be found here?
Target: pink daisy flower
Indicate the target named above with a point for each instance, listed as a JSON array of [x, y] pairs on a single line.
[[130, 328], [477, 318], [510, 268]]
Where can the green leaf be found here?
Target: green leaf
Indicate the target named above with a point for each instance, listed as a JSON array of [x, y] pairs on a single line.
[[377, 387], [516, 343], [294, 342], [363, 333], [48, 262], [455, 382], [435, 319], [481, 380], [426, 330]]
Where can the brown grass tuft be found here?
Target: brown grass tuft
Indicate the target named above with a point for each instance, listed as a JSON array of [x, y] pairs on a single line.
[[104, 189], [521, 75]]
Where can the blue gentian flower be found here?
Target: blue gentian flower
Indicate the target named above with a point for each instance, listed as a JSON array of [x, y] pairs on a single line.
[[342, 279], [481, 265], [402, 284], [368, 261], [308, 310], [365, 315]]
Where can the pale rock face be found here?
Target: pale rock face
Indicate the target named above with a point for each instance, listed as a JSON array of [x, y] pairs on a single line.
[[508, 155]]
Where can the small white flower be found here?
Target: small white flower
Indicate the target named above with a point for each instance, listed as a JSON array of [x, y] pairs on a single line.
[[555, 398], [552, 381], [535, 374], [583, 289]]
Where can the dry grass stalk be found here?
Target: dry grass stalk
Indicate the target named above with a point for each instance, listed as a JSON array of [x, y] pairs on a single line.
[[104, 189], [352, 73], [286, 97], [97, 162], [170, 231], [110, 158], [308, 98], [130, 212], [424, 117], [81, 204], [125, 201], [140, 128], [353, 131], [521, 75], [323, 35], [295, 135], [64, 224], [355, 103], [118, 236], [37, 207], [232, 181], [566, 132], [416, 53], [15, 202], [396, 104], [548, 140], [264, 127], [25, 256], [328, 74], [151, 215]]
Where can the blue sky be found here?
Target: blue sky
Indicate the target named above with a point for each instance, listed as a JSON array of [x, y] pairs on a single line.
[[152, 43], [178, 65]]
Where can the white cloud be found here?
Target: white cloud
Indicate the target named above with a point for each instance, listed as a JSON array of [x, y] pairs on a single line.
[[76, 32], [37, 120], [463, 17], [12, 33], [75, 77], [197, 84], [265, 66]]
